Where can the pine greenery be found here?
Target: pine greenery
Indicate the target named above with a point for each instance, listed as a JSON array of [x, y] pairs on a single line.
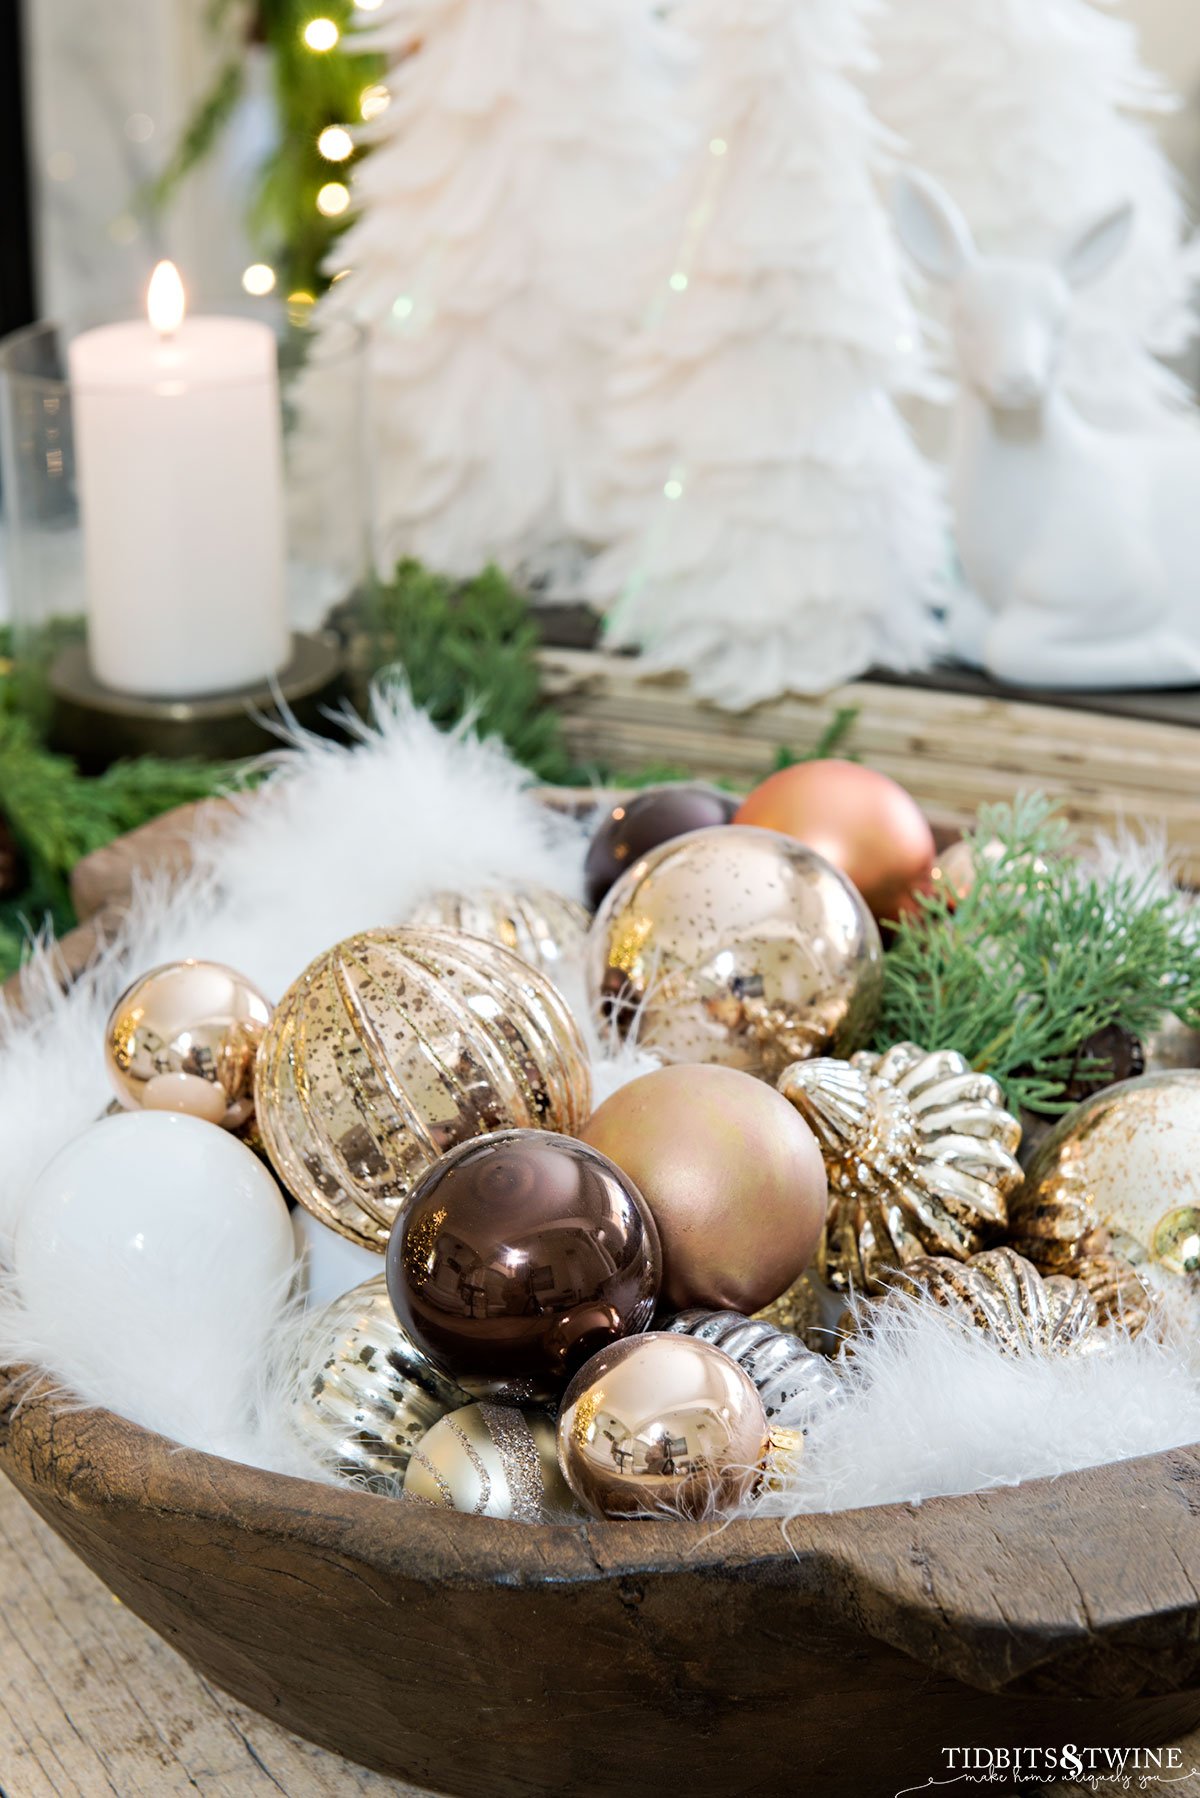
[[1040, 954]]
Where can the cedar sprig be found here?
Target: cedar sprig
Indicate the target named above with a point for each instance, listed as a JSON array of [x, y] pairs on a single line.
[[1043, 952]]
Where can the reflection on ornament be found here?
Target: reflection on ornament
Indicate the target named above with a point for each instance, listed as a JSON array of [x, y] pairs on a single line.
[[786, 1374], [517, 1257], [661, 1423], [1113, 1197], [920, 1155], [541, 927], [363, 1394], [737, 946], [183, 1038], [491, 1461], [732, 1175], [860, 820], [1003, 1295], [395, 1046]]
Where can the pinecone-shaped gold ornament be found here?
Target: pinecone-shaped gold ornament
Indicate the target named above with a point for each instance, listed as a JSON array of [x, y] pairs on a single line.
[[920, 1155], [1004, 1296]]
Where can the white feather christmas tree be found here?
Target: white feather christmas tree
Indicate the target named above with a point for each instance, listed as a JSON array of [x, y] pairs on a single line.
[[772, 524], [493, 259], [1037, 115]]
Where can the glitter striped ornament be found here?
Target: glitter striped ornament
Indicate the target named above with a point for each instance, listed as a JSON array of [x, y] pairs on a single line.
[[397, 1045], [491, 1461]]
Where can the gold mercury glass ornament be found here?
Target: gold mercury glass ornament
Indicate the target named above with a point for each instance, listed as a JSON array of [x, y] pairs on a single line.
[[184, 1038], [540, 926], [1002, 1295], [1112, 1196], [363, 1395], [397, 1045], [738, 946], [667, 1423], [491, 1461], [920, 1156]]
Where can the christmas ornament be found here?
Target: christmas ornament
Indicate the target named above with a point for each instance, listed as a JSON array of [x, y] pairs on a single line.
[[920, 1155], [491, 1461], [394, 1046], [541, 927], [736, 946], [184, 1038], [1002, 1294], [1112, 1196], [858, 819], [785, 1373], [364, 1395], [733, 1177], [661, 1423], [151, 1254], [641, 821], [517, 1257], [1118, 1054]]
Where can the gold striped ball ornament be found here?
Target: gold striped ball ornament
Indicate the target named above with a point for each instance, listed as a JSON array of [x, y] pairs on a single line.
[[540, 926], [397, 1045], [491, 1461]]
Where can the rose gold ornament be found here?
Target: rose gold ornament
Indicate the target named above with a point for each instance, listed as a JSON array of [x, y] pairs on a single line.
[[736, 946], [732, 1175], [395, 1046], [920, 1155], [1003, 1295], [858, 819], [661, 1423], [1112, 1196], [184, 1038], [541, 927]]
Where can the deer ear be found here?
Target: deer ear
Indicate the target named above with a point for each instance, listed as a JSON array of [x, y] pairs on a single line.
[[1099, 245], [930, 226]]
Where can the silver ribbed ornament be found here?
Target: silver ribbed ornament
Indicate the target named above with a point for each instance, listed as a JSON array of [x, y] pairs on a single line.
[[364, 1395], [786, 1373]]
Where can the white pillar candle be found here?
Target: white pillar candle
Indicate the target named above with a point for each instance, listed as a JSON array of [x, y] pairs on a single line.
[[179, 459]]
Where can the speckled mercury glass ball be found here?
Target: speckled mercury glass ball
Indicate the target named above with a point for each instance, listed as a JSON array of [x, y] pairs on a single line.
[[739, 946], [517, 1257], [661, 1422]]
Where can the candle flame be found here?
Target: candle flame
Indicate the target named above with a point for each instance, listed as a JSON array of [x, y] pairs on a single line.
[[164, 299]]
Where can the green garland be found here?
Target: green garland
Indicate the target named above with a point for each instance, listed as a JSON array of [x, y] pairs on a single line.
[[1040, 955]]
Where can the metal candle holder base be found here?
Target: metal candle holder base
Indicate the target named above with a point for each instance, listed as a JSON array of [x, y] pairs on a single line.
[[97, 726]]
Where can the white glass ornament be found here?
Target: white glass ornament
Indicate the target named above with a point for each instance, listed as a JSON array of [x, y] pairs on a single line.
[[332, 1264], [151, 1255]]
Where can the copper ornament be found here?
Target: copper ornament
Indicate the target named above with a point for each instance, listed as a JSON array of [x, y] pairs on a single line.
[[393, 1047], [920, 1155], [662, 1423], [517, 1257], [541, 927], [1112, 1196], [1003, 1295], [364, 1395], [786, 1374], [184, 1038], [738, 946], [733, 1177], [491, 1461]]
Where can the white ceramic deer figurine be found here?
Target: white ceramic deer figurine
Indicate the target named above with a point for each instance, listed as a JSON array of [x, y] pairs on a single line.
[[1081, 545]]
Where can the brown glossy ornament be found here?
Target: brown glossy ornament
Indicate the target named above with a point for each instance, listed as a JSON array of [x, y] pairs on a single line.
[[541, 927], [661, 1423], [736, 946], [1112, 1196], [732, 1174], [860, 820], [640, 822], [517, 1257], [184, 1037], [398, 1044]]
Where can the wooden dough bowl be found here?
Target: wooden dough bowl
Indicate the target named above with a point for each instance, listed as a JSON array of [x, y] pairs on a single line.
[[841, 1653]]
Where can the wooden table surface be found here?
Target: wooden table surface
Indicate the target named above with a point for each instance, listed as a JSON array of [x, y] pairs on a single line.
[[94, 1705]]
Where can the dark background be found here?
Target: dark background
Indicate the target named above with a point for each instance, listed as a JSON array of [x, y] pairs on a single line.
[[16, 249]]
